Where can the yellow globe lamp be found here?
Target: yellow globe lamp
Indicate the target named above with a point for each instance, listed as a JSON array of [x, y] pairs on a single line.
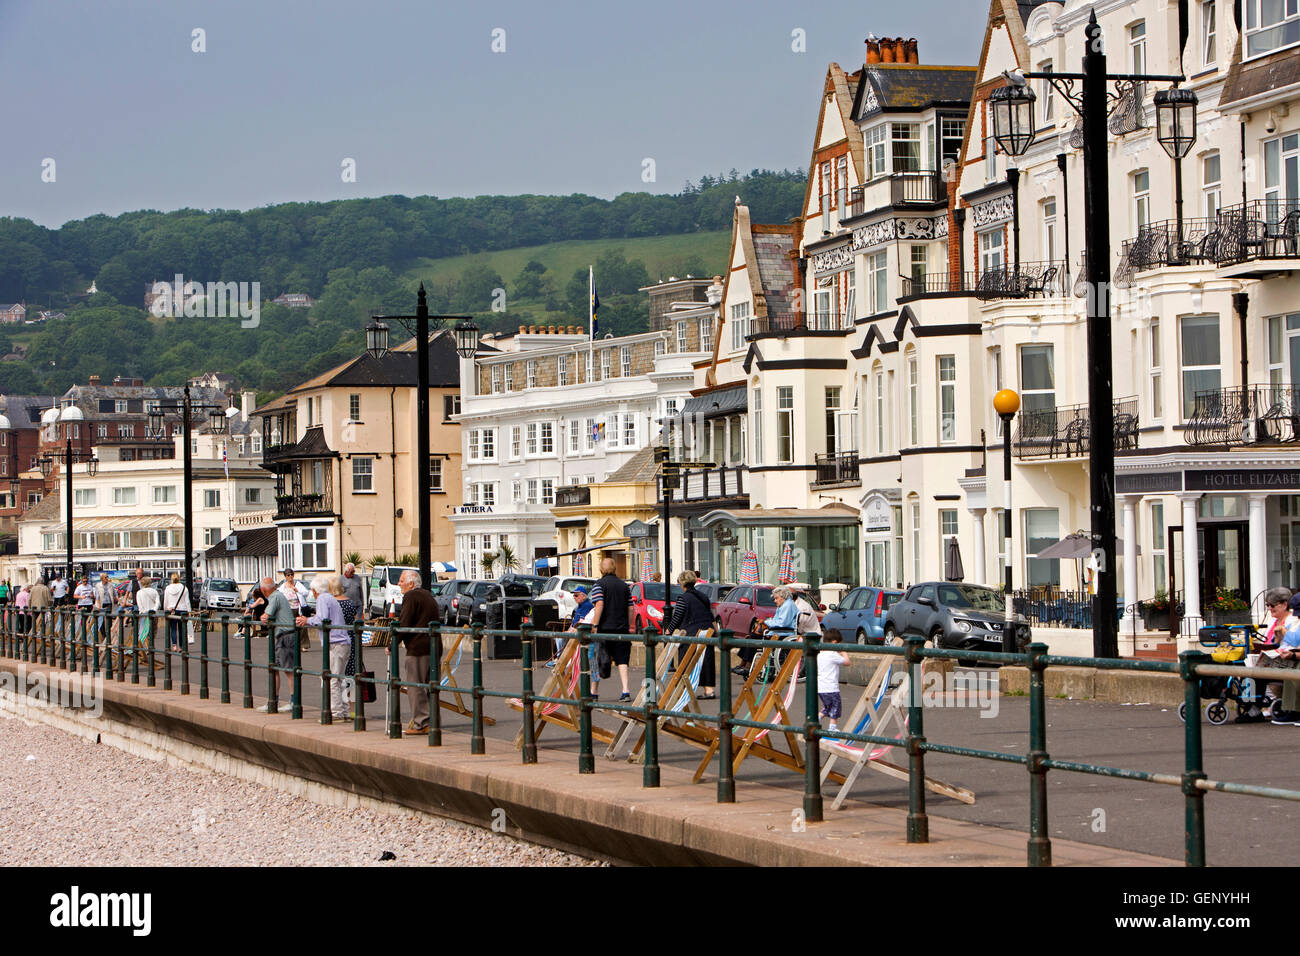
[[1006, 402]]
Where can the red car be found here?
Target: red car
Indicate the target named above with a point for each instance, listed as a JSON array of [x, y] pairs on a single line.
[[648, 604], [747, 604]]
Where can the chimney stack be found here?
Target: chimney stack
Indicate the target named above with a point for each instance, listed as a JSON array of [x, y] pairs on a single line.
[[94, 380], [247, 402], [887, 50], [913, 53], [873, 51]]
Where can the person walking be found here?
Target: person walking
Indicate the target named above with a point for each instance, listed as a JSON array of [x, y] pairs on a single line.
[[419, 610], [4, 593], [282, 617], [40, 600], [693, 614], [175, 603], [22, 602], [354, 586], [59, 589], [350, 611], [329, 616], [612, 599], [105, 605], [295, 591], [147, 602]]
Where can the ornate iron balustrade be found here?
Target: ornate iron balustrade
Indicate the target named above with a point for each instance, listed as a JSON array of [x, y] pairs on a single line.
[[302, 506], [1034, 280], [1065, 431], [1259, 229], [797, 323], [1250, 415], [838, 468]]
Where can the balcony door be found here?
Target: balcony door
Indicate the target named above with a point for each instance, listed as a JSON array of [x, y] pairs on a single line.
[[1284, 349], [1221, 550], [1281, 175]]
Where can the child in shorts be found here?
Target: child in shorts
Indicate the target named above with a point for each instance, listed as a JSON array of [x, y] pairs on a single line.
[[828, 679]]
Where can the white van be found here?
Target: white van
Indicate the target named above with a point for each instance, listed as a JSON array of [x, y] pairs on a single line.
[[385, 595]]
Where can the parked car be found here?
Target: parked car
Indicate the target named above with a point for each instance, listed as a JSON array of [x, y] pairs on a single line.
[[953, 616], [385, 595], [648, 604], [219, 594], [559, 591], [444, 593], [744, 606], [860, 616], [713, 592]]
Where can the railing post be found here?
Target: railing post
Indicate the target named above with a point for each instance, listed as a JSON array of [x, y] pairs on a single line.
[[435, 686], [272, 673], [63, 637], [918, 822], [650, 773], [586, 759], [248, 660], [358, 692], [327, 678], [726, 775], [477, 745], [185, 662], [394, 702], [1040, 844], [225, 658], [1193, 759], [295, 702], [203, 649], [529, 750], [812, 782], [135, 645]]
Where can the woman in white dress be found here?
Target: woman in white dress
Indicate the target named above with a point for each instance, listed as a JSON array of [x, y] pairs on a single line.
[[176, 600]]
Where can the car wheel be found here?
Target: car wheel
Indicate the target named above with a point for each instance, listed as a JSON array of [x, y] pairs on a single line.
[[891, 635], [639, 626], [934, 637], [861, 636]]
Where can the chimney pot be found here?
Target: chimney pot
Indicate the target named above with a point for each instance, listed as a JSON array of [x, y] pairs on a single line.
[[873, 51], [887, 50], [900, 50], [913, 53], [94, 380], [550, 329]]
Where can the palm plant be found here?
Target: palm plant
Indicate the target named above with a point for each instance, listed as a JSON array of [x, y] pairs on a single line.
[[489, 562], [353, 557], [412, 560], [507, 559]]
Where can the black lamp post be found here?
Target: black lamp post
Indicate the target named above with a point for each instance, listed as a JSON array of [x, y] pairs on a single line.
[[1006, 403], [1013, 177], [1013, 125], [218, 415], [1176, 133], [467, 338]]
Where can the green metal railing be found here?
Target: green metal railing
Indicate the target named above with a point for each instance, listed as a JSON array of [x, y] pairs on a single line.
[[122, 645]]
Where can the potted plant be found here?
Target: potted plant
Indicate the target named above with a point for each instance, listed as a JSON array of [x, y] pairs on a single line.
[[1155, 612], [1226, 608]]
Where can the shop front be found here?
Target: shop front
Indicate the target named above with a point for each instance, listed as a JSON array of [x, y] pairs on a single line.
[[824, 544]]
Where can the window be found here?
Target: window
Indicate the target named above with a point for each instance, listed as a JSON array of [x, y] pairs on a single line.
[[832, 408], [354, 408], [1153, 360], [920, 263], [530, 372], [310, 419], [1046, 93], [947, 531], [363, 476], [591, 434], [990, 146], [625, 361], [575, 435], [450, 406], [1159, 575], [314, 549], [548, 491], [84, 497], [489, 444], [1281, 174], [101, 431], [164, 495], [905, 141], [1141, 199], [881, 416], [878, 282], [824, 303], [123, 496], [548, 438], [515, 439], [496, 379], [1137, 47], [1271, 25], [740, 325], [606, 359], [682, 342], [482, 444], [485, 493], [706, 333], [212, 497], [588, 365], [995, 376], [850, 297], [435, 475], [951, 133], [992, 250], [916, 541], [516, 493], [125, 431], [562, 370], [1209, 34], [1041, 531], [629, 431], [1037, 379], [531, 447], [1200, 358], [756, 425], [119, 406], [842, 184], [211, 536], [874, 141], [785, 424], [1049, 229], [255, 446], [1211, 184], [252, 496], [825, 197], [510, 377], [532, 491], [913, 401], [947, 399]]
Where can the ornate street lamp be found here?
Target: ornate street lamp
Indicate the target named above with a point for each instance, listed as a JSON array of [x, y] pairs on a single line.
[[1013, 131], [467, 334], [1176, 133], [377, 339]]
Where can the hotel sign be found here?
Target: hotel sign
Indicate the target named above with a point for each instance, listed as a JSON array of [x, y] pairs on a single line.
[[1253, 479], [1150, 482], [473, 509]]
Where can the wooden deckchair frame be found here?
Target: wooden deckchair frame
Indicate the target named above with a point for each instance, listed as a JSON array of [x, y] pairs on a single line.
[[563, 715], [673, 686]]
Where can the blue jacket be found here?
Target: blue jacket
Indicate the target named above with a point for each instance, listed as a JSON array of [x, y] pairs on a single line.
[[582, 610]]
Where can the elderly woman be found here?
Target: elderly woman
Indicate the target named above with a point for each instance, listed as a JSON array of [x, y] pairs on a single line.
[[1284, 632], [784, 622], [329, 615], [693, 614]]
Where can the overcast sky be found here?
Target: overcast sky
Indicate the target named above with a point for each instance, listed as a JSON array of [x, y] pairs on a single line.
[[412, 91]]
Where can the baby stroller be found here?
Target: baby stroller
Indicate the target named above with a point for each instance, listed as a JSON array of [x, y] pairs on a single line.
[[1229, 645]]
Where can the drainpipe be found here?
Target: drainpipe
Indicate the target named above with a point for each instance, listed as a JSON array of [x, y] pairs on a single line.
[[392, 456], [1061, 160]]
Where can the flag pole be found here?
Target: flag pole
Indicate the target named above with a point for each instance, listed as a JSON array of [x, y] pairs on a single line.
[[591, 323]]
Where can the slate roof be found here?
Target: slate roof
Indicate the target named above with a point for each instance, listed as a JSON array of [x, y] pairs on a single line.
[[775, 270], [25, 410], [640, 467], [255, 542], [910, 88], [719, 402]]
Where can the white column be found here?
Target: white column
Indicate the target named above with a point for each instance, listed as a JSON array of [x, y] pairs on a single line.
[[1129, 534], [1191, 574], [1258, 554], [981, 575]]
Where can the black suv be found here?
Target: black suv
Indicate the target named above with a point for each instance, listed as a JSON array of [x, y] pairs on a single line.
[[954, 616]]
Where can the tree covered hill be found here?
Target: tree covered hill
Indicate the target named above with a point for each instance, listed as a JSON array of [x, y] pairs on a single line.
[[354, 257]]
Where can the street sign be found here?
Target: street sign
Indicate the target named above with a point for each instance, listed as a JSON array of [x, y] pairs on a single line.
[[661, 453], [690, 464], [671, 482]]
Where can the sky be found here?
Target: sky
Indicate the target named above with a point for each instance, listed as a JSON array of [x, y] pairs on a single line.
[[575, 97]]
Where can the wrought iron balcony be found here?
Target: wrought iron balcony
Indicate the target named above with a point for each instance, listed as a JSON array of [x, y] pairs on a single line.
[[1253, 415], [302, 506], [1033, 280], [780, 324], [921, 188], [1066, 431], [1259, 229], [838, 468]]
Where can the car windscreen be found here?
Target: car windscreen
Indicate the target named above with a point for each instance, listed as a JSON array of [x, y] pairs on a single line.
[[221, 584], [572, 583], [966, 597], [653, 591], [765, 598]]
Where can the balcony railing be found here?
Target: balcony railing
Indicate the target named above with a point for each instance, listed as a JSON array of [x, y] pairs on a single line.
[[838, 468], [922, 187], [1066, 431], [798, 323], [1033, 280], [1254, 415], [705, 484], [1259, 229], [302, 506]]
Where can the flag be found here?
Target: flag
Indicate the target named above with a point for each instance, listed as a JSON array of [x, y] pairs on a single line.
[[595, 303], [225, 462]]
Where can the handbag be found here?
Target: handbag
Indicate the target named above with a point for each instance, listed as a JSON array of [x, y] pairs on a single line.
[[366, 681], [603, 661]]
